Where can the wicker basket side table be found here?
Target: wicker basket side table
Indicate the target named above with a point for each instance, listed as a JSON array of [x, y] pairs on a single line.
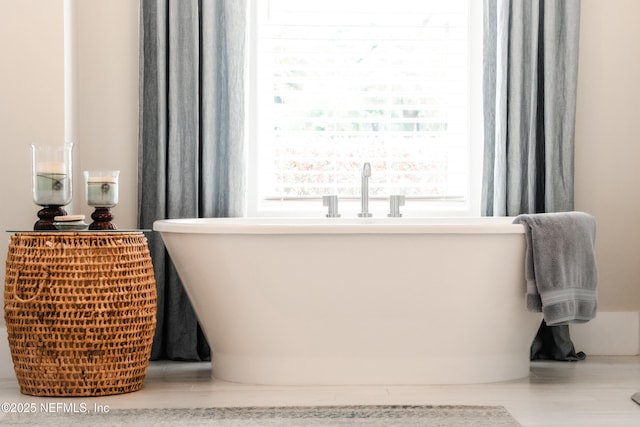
[[80, 310]]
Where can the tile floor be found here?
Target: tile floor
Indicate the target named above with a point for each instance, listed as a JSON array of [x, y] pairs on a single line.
[[594, 392]]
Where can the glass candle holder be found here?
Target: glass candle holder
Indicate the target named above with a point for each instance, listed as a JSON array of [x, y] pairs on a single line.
[[51, 171], [102, 194], [51, 183], [102, 188]]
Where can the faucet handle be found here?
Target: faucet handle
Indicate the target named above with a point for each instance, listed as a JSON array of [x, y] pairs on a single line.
[[332, 202], [395, 202]]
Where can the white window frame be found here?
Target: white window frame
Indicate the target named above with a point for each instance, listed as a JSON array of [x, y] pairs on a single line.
[[349, 208]]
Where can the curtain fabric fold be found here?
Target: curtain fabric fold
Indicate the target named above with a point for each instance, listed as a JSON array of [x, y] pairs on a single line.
[[530, 81], [191, 139]]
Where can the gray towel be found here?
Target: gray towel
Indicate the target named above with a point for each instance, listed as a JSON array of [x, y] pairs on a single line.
[[560, 266]]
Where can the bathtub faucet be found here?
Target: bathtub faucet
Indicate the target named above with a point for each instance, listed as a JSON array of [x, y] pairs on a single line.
[[395, 201], [331, 202], [364, 192]]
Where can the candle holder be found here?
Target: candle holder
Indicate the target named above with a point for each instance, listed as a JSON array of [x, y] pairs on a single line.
[[51, 182], [102, 194]]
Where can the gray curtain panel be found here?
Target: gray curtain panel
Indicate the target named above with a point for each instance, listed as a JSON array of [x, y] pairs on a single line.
[[191, 139], [530, 79]]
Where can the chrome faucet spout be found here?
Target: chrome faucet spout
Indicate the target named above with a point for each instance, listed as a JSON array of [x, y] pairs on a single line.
[[364, 192], [366, 170]]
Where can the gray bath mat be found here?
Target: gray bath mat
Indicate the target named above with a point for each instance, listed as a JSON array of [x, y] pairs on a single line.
[[316, 416]]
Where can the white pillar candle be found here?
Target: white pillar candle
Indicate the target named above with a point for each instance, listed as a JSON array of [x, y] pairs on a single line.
[[50, 168]]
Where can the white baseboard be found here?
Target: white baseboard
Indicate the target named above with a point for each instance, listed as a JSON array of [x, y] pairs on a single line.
[[609, 334]]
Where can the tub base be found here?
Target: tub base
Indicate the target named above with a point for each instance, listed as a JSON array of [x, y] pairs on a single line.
[[409, 371]]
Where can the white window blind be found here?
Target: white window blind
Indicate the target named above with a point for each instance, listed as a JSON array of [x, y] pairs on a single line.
[[343, 82]]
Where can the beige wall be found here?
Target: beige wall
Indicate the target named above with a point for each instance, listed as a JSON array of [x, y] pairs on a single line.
[[608, 144], [106, 96], [104, 113], [31, 99]]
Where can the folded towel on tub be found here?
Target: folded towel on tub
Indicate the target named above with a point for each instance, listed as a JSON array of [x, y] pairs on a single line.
[[560, 266]]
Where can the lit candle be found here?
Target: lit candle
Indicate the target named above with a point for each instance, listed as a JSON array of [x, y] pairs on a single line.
[[52, 187], [102, 191]]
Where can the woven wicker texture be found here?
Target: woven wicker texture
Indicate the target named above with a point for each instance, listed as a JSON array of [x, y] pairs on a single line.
[[80, 310]]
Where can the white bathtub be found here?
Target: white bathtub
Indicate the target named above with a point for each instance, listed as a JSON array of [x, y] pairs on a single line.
[[341, 301]]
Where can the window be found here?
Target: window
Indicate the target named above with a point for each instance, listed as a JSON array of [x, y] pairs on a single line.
[[337, 83]]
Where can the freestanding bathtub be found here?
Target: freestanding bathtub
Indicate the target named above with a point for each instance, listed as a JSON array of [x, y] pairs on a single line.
[[361, 301]]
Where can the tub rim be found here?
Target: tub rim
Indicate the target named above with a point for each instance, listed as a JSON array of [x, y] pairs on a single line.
[[380, 225]]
